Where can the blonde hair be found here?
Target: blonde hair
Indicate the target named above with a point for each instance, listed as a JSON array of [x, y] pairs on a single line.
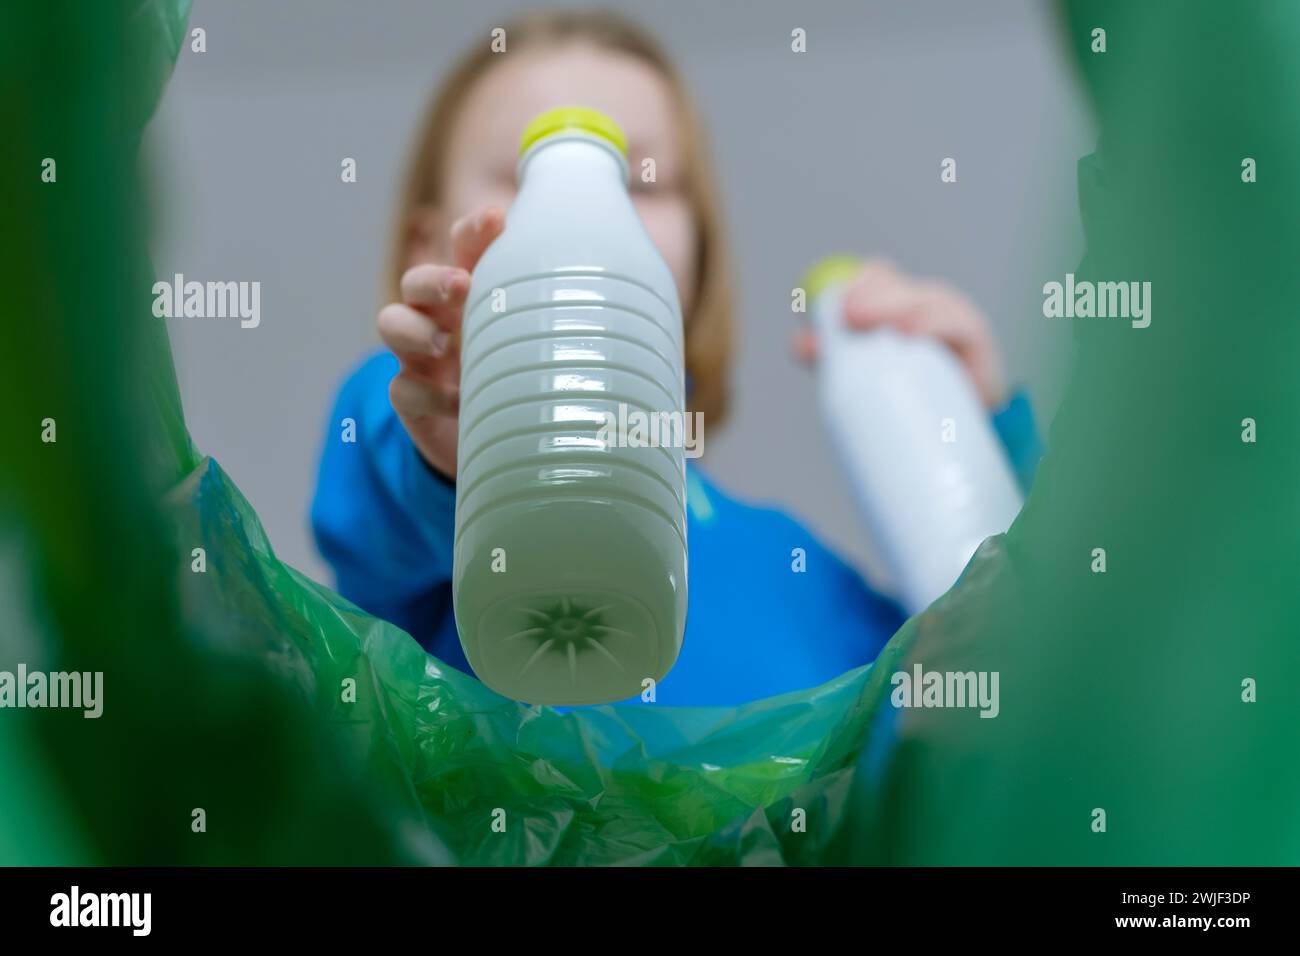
[[709, 325]]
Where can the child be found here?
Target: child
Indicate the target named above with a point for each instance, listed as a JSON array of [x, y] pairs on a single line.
[[384, 508]]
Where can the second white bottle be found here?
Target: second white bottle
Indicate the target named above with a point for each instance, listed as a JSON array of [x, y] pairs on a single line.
[[931, 478]]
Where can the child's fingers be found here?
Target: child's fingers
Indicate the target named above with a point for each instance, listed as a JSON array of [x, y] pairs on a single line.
[[472, 234], [879, 295], [869, 306], [948, 326], [913, 308], [404, 329], [805, 345], [415, 397], [437, 290], [950, 316]]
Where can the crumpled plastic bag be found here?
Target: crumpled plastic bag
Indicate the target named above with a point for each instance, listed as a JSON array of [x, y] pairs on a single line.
[[612, 784]]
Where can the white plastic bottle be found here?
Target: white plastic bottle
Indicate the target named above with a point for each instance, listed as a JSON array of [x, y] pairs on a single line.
[[931, 477], [570, 559]]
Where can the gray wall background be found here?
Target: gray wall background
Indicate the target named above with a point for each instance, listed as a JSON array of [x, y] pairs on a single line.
[[838, 148]]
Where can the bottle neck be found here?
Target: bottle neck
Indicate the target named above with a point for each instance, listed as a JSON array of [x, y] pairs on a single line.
[[576, 156], [826, 311]]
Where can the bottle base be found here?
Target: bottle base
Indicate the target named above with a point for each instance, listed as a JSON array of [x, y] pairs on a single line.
[[567, 647]]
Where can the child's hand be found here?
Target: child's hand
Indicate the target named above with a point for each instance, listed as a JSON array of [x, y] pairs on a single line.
[[423, 331], [883, 296]]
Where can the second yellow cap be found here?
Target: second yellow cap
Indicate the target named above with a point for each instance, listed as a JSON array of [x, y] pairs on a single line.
[[829, 271]]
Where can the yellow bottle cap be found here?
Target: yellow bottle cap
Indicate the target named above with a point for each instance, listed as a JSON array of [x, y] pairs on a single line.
[[829, 271], [573, 117]]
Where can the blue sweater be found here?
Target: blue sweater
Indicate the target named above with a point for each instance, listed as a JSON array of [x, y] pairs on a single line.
[[384, 520]]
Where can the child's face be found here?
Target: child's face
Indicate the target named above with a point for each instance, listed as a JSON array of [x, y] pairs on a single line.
[[485, 147]]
